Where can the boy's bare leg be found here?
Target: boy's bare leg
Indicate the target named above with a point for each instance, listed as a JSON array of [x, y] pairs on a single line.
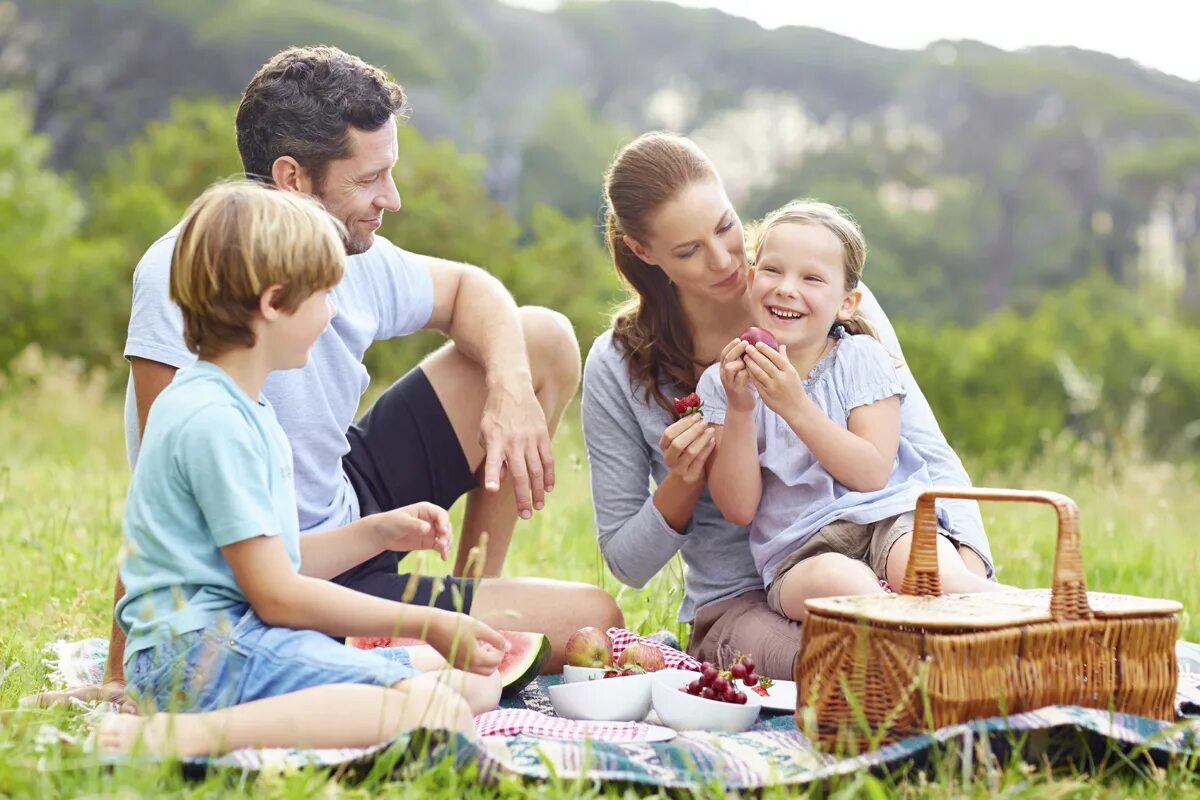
[[459, 384], [341, 715], [955, 576], [824, 575], [542, 605]]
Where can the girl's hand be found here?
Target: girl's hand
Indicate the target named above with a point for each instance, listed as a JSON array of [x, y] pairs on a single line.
[[466, 643], [735, 378], [779, 385], [421, 526], [686, 445]]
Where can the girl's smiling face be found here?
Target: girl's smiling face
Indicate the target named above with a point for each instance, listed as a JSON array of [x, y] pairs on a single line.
[[798, 285]]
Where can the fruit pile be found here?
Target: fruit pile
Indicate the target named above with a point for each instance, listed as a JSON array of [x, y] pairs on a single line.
[[713, 684], [591, 647]]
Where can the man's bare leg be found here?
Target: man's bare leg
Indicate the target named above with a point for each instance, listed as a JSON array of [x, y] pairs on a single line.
[[458, 383], [340, 715], [555, 608]]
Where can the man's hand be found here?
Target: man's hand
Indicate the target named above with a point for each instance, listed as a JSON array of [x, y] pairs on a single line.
[[467, 643], [777, 381], [515, 439], [111, 692], [421, 526]]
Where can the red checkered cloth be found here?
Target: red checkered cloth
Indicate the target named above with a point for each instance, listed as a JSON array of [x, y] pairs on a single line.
[[674, 659], [511, 721]]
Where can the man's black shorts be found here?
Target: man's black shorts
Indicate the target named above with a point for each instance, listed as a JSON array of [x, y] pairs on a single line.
[[402, 451]]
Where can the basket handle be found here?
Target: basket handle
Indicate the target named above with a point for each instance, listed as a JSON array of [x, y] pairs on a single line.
[[1068, 598]]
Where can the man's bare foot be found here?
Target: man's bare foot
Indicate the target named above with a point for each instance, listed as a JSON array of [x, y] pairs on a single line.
[[162, 734]]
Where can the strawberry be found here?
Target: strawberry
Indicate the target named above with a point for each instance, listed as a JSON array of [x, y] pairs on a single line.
[[763, 686], [691, 404]]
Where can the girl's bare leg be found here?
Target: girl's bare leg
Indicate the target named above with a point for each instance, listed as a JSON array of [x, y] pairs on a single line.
[[956, 577], [340, 715], [824, 575], [482, 692]]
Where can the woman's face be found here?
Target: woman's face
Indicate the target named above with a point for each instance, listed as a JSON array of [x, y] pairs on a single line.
[[696, 238]]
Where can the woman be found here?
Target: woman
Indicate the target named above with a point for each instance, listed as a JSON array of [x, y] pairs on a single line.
[[677, 242]]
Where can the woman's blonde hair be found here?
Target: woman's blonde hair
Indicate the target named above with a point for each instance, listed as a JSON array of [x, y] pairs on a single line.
[[238, 239], [651, 327], [838, 222]]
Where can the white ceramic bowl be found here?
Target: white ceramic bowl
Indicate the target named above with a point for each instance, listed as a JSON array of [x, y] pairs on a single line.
[[624, 699], [685, 712], [575, 674]]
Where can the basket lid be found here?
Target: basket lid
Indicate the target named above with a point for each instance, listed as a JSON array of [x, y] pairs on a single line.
[[980, 611]]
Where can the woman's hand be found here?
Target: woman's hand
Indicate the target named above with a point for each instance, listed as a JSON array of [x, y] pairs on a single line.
[[686, 445], [735, 378], [777, 381], [421, 526], [466, 643]]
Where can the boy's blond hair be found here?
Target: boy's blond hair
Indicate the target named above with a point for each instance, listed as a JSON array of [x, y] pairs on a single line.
[[238, 239]]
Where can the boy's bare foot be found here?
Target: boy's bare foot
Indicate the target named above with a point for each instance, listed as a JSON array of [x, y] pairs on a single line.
[[161, 734]]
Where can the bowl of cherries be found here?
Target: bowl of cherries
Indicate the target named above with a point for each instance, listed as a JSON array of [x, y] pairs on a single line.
[[709, 700]]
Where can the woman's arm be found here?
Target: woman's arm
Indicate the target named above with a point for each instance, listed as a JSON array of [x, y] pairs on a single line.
[[285, 598], [634, 534], [920, 428]]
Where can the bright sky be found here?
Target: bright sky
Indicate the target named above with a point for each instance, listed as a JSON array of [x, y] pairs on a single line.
[[1152, 32]]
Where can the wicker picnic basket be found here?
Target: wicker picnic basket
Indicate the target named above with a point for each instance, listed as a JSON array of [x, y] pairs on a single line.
[[874, 669]]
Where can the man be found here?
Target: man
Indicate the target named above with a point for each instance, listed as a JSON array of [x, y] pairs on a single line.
[[320, 121]]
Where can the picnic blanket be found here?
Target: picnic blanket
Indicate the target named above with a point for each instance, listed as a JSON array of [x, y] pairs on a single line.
[[772, 753]]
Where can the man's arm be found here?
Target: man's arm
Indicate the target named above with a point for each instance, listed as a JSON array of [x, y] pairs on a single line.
[[479, 314]]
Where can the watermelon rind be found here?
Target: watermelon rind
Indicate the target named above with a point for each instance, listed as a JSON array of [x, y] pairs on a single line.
[[522, 665]]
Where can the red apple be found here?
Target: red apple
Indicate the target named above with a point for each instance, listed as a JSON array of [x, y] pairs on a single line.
[[589, 647], [754, 335]]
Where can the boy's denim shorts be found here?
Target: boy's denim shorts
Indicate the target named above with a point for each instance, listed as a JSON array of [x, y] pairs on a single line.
[[238, 658]]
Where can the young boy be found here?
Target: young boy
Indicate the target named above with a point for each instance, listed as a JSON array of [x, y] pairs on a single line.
[[227, 612]]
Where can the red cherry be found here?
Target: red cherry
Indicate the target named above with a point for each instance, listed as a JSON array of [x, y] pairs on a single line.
[[739, 698], [720, 685], [708, 694], [694, 687], [709, 673], [748, 664], [739, 671], [751, 679]]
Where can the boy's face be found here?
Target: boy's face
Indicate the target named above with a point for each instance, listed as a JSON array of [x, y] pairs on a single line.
[[298, 332], [357, 190]]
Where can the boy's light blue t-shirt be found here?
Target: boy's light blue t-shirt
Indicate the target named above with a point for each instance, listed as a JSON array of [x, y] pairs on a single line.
[[384, 293], [215, 469], [799, 496]]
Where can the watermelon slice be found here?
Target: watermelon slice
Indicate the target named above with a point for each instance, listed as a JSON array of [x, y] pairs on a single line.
[[527, 654]]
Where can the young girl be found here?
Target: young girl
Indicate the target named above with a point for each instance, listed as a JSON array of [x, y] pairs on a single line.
[[226, 607], [810, 453]]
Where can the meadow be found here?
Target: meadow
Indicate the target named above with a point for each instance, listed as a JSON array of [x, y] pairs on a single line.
[[62, 482]]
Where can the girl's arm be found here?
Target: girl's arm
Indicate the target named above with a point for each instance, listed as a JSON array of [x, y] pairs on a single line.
[[285, 598], [860, 457], [735, 479]]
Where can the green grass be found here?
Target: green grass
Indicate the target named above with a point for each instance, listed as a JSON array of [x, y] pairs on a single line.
[[62, 483]]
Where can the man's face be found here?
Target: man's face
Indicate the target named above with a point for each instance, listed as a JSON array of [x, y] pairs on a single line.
[[358, 189]]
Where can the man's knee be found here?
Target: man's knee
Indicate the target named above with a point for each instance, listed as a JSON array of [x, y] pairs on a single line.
[[552, 346], [603, 606]]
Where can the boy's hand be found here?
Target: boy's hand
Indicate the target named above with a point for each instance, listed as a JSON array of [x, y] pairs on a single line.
[[779, 385], [421, 526], [735, 378], [466, 643]]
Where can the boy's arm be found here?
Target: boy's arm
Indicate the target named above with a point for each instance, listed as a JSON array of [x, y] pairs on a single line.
[[284, 598], [735, 479], [420, 526]]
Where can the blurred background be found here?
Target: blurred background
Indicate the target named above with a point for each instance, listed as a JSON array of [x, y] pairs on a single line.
[[1032, 214]]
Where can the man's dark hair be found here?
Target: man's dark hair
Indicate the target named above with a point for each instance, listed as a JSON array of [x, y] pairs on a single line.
[[302, 104]]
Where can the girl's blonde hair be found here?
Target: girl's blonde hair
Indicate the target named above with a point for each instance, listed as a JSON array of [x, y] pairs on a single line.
[[838, 222], [238, 239]]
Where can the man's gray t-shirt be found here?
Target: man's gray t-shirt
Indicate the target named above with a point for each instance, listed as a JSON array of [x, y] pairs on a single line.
[[383, 294]]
